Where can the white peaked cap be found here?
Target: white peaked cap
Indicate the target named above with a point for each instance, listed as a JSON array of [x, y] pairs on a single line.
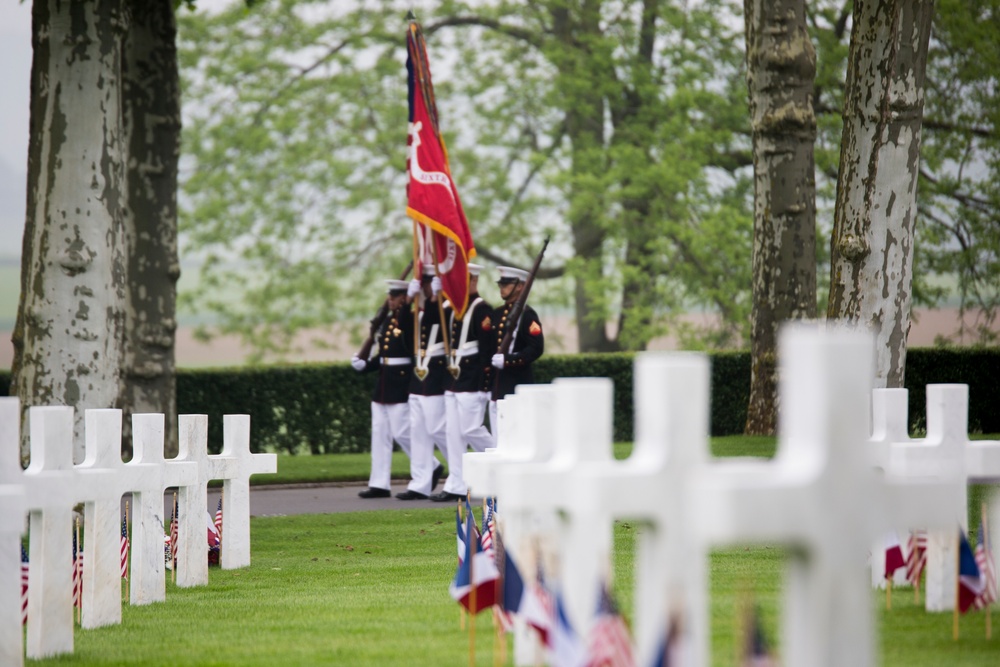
[[428, 269], [396, 285], [474, 269], [511, 272]]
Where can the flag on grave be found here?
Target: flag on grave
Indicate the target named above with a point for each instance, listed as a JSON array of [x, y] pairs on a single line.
[[476, 575], [24, 585], [970, 580], [487, 531], [510, 585], [432, 198], [984, 560], [173, 533], [916, 555], [218, 519], [568, 649], [610, 644], [893, 554], [124, 548], [460, 534], [77, 574], [538, 607]]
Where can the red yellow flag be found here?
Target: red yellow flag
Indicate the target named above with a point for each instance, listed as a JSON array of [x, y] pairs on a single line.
[[432, 198]]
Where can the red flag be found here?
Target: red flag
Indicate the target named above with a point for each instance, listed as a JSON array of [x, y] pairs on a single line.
[[432, 198]]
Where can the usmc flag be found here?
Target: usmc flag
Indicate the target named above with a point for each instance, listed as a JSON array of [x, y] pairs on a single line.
[[432, 199]]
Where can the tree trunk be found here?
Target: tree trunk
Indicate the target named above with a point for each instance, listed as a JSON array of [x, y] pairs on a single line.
[[872, 242], [153, 122], [71, 313], [781, 68]]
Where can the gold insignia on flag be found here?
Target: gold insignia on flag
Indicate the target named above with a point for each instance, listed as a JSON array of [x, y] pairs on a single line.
[[535, 328]]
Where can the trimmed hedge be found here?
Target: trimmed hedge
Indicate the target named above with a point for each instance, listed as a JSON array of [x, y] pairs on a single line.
[[324, 408]]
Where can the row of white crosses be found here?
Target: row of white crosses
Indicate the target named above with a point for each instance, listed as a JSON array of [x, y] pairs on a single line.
[[51, 486], [821, 495], [946, 453]]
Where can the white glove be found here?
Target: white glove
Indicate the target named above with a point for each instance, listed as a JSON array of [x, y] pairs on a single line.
[[498, 360], [436, 285], [357, 363], [413, 289]]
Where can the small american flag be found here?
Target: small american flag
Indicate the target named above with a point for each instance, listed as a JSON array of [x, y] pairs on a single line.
[[173, 534], [218, 519], [984, 559], [124, 547], [610, 644], [487, 532], [77, 575], [24, 585], [916, 556]]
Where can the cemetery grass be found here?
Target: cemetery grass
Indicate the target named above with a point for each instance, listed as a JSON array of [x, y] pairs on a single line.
[[371, 588]]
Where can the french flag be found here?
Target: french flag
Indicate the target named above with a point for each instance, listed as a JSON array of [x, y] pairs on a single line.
[[476, 573], [893, 554]]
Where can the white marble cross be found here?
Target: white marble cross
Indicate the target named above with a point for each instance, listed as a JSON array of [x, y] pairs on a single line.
[[581, 422], [147, 575], [821, 495], [234, 466], [946, 454], [671, 394], [12, 508], [50, 485]]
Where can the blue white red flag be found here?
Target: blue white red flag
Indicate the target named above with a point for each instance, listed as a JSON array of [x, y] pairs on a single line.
[[538, 608], [893, 554], [460, 535], [432, 198], [474, 586], [971, 582], [568, 649]]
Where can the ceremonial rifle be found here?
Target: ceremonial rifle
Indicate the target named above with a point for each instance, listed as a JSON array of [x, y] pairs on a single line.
[[383, 312]]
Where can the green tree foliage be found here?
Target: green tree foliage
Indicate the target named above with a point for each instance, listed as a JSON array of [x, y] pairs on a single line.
[[617, 127]]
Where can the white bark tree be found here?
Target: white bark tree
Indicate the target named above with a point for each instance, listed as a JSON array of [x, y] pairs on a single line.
[[872, 242], [69, 331]]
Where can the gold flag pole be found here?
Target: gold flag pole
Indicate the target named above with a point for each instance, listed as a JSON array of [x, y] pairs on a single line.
[[888, 593]]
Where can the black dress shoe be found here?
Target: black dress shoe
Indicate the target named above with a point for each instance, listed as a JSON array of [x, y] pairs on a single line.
[[436, 476], [373, 492], [446, 496], [411, 495]]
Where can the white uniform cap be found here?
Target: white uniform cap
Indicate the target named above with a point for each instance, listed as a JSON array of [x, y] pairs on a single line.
[[396, 285], [508, 272], [474, 269], [428, 270]]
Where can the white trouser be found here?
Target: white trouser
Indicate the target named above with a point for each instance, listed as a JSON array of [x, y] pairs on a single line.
[[493, 422], [390, 421], [464, 411], [427, 428]]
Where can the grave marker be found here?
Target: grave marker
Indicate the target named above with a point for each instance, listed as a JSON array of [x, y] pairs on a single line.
[[12, 509]]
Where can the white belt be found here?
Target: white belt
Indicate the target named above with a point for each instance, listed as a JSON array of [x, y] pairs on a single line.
[[468, 350], [435, 350], [396, 361]]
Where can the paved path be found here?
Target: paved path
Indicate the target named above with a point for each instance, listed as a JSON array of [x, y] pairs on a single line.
[[282, 500]]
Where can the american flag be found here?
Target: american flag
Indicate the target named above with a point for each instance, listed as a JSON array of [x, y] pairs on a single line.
[[77, 575], [24, 585], [916, 556], [610, 644], [487, 532], [218, 519], [984, 559], [173, 534], [124, 547]]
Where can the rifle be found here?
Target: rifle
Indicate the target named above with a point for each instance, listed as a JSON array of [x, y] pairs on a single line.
[[383, 312], [515, 310]]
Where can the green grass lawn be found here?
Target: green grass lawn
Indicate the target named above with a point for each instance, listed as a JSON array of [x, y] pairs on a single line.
[[371, 588]]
